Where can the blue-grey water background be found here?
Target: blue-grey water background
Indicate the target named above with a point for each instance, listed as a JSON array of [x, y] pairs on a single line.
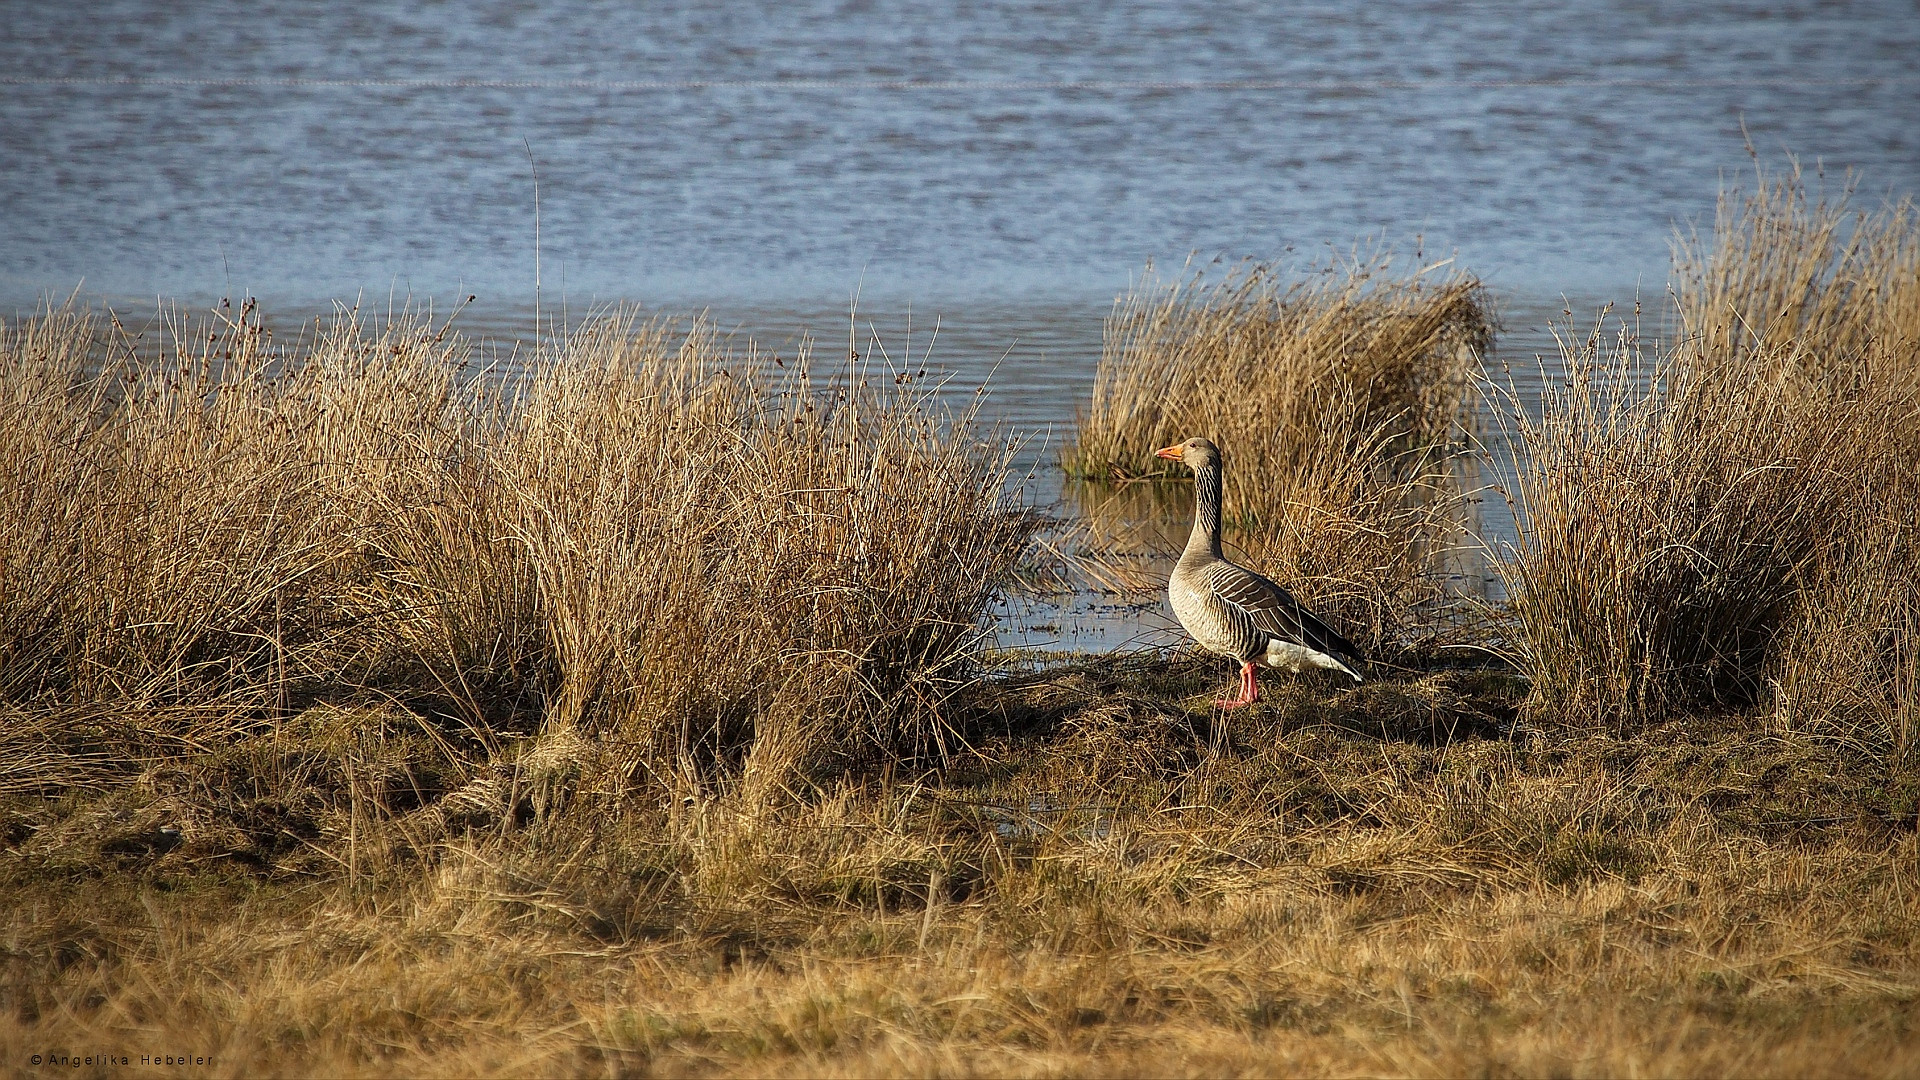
[[1001, 169]]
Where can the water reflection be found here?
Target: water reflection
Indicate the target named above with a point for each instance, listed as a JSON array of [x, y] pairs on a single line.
[[1113, 546]]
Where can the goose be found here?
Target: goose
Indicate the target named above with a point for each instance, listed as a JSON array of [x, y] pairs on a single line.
[[1233, 611]]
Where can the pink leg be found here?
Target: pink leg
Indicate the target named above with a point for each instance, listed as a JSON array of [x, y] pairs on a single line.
[[1249, 689]]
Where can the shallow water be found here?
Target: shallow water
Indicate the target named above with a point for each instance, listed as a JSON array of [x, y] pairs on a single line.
[[1001, 170]]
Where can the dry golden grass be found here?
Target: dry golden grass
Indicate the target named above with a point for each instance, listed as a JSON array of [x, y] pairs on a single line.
[[1726, 521], [687, 557], [1669, 527], [1389, 882], [1340, 403], [362, 713], [1802, 272], [1834, 294], [1256, 360], [731, 564]]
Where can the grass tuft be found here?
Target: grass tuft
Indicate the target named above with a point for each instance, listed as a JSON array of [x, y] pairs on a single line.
[[1340, 403], [1728, 515], [696, 560]]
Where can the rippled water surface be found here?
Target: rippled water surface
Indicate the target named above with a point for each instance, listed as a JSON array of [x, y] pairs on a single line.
[[1002, 169], [779, 150]]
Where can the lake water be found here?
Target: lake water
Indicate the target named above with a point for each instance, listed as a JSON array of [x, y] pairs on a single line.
[[1005, 169]]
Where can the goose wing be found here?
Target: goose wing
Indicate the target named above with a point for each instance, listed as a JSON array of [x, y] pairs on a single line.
[[1274, 610]]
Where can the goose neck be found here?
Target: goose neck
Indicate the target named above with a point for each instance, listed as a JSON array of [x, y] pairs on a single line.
[[1206, 512]]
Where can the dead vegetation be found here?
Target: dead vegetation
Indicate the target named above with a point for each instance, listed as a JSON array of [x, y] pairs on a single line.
[[1341, 402], [1728, 521], [1405, 881], [693, 558], [364, 712]]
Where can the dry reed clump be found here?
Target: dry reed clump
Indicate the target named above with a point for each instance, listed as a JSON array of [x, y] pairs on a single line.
[[1252, 360], [1849, 663], [1338, 402], [1839, 292], [200, 527], [1732, 515], [1671, 515], [667, 548], [730, 562]]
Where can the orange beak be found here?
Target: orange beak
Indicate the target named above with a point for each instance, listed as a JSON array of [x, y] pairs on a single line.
[[1171, 453]]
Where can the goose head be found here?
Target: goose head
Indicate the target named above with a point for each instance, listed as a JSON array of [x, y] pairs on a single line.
[[1196, 453]]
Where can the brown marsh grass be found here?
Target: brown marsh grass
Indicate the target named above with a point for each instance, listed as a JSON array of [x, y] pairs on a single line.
[[1727, 521], [1804, 273], [1671, 518], [368, 714], [677, 553], [1393, 880], [793, 566], [1340, 402]]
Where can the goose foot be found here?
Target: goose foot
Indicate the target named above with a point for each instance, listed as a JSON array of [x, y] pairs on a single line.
[[1249, 690]]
